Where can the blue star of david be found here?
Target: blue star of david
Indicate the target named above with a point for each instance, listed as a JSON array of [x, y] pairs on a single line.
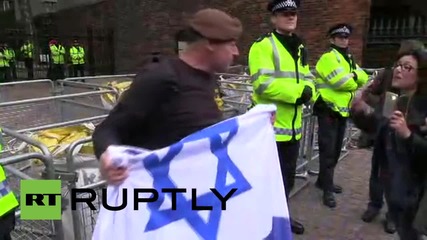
[[159, 169]]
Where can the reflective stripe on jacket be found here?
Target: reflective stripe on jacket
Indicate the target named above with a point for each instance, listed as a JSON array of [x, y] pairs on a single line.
[[8, 200], [57, 53], [77, 55], [4, 58], [11, 55], [27, 50], [278, 79], [335, 82]]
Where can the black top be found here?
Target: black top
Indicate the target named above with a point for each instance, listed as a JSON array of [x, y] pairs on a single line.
[[166, 102]]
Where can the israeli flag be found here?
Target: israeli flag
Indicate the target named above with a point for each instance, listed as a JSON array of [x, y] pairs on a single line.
[[236, 156]]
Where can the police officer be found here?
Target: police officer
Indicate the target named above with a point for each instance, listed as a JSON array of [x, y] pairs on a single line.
[[12, 61], [27, 50], [174, 97], [338, 78], [8, 204], [57, 56], [281, 76], [4, 63], [77, 55]]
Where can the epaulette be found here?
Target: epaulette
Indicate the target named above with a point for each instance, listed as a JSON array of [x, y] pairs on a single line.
[[263, 36]]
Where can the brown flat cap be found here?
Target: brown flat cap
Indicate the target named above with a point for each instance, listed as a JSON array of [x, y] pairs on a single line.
[[215, 24]]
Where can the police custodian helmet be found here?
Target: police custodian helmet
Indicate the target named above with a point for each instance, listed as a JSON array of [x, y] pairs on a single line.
[[283, 5], [341, 29]]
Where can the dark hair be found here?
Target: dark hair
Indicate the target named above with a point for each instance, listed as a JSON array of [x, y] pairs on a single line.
[[421, 56], [409, 45], [188, 35]]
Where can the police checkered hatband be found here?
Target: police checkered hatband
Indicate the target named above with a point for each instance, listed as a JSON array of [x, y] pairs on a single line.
[[285, 4], [341, 30]]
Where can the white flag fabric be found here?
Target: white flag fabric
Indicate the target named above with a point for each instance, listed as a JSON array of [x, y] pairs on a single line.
[[239, 153]]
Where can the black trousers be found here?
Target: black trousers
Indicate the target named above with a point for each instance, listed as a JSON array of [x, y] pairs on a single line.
[[30, 68], [78, 69], [7, 224], [402, 217], [13, 71], [376, 188], [4, 74], [331, 131], [56, 72], [288, 156]]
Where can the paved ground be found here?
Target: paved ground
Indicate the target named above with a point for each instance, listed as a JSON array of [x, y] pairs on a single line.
[[342, 223]]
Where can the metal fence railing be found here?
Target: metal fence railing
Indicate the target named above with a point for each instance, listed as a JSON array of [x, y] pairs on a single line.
[[73, 102]]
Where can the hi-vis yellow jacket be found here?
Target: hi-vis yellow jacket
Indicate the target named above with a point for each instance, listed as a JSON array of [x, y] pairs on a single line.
[[58, 54], [335, 82], [8, 200], [278, 79]]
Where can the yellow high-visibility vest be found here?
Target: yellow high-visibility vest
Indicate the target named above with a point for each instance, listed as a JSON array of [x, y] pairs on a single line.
[[335, 82], [278, 79], [58, 54], [77, 55], [8, 200]]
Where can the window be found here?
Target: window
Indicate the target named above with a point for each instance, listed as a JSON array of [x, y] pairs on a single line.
[[6, 6]]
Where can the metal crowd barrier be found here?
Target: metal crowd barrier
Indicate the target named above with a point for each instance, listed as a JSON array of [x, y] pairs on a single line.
[[80, 224], [29, 115], [12, 162]]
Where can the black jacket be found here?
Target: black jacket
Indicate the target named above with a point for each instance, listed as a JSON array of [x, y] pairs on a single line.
[[405, 162], [166, 102]]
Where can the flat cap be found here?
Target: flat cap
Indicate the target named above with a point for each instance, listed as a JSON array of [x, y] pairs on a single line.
[[341, 29], [217, 25]]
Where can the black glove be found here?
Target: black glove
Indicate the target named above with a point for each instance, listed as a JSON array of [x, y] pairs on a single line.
[[305, 96]]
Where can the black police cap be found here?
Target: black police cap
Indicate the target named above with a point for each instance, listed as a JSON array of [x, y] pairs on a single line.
[[341, 29]]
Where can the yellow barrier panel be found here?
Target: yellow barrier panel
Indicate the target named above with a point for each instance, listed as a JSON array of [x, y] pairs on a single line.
[[58, 139], [108, 99]]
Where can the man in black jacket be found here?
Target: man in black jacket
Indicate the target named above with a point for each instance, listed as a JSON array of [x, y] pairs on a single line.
[[174, 97]]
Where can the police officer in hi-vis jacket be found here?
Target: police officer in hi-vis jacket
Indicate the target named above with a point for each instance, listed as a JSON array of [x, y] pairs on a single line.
[[281, 76], [337, 78]]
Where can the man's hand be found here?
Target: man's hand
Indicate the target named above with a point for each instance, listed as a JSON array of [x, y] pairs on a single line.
[[273, 118], [112, 174]]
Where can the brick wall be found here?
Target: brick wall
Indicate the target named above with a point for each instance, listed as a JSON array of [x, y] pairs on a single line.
[[149, 26]]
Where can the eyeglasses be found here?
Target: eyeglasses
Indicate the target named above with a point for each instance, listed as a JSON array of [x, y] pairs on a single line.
[[405, 67]]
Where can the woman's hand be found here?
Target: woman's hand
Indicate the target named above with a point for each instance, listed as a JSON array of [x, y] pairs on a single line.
[[398, 123]]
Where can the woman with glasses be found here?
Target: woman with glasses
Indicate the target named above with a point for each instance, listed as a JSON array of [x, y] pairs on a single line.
[[403, 138], [374, 96]]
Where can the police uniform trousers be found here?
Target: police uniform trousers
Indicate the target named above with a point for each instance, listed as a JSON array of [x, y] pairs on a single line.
[[78, 69], [57, 71], [5, 74], [30, 68], [7, 224], [13, 74], [331, 131], [288, 156]]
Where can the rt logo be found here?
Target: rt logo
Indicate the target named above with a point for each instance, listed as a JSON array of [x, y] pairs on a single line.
[[40, 200]]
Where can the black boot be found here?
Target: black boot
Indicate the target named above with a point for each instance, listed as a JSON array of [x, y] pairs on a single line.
[[329, 199], [370, 214], [335, 188], [297, 227], [389, 226]]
